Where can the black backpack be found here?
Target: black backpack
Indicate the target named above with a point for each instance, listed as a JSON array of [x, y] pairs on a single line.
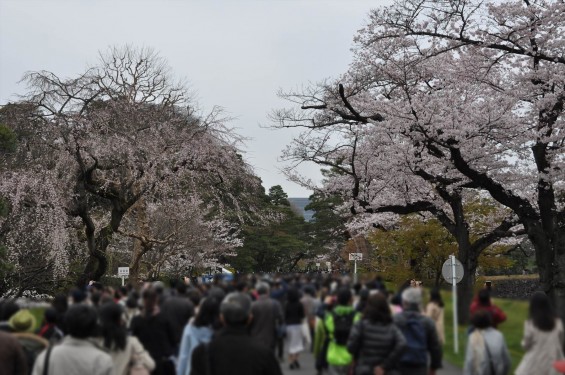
[[342, 327]]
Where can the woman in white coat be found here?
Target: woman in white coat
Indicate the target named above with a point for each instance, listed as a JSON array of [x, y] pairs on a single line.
[[543, 338]]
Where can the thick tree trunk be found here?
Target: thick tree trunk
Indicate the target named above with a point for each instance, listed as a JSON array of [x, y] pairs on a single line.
[[465, 291]]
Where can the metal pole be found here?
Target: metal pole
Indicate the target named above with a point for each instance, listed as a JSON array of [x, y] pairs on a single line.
[[123, 282], [355, 271], [454, 294]]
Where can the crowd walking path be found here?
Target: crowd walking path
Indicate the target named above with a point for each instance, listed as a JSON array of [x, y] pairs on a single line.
[[307, 367]]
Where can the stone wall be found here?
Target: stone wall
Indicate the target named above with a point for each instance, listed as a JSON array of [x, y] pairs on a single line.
[[514, 288]]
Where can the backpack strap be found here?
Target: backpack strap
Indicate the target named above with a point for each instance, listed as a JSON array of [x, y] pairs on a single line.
[[490, 362], [46, 363]]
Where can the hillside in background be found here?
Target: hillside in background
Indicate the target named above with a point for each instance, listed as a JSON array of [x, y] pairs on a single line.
[[298, 205]]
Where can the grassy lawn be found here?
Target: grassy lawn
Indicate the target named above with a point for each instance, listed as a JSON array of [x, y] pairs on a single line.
[[512, 328]]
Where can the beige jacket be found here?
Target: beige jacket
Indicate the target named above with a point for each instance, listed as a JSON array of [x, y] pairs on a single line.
[[435, 312], [75, 357]]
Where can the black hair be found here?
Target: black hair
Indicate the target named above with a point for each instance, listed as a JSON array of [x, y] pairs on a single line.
[[208, 313], [8, 309], [377, 309], [50, 315], [81, 321], [112, 329], [343, 296], [194, 296], [541, 312], [435, 296], [60, 303], [484, 297], [481, 319], [293, 295]]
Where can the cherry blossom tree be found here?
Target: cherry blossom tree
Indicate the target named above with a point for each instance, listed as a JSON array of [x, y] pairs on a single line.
[[513, 53], [124, 133], [475, 88]]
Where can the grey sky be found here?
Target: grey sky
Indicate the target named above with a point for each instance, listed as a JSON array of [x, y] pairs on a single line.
[[235, 54]]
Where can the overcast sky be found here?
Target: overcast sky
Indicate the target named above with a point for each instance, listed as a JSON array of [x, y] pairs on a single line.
[[235, 54]]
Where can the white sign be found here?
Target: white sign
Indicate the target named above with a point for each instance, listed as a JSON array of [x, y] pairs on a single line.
[[123, 271], [447, 272], [317, 264], [355, 256]]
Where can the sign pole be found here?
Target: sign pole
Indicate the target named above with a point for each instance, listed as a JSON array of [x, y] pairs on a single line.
[[123, 281], [355, 271], [454, 294]]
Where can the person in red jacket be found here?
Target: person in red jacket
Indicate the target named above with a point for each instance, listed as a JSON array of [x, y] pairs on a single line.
[[482, 302]]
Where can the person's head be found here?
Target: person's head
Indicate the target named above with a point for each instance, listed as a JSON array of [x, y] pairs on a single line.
[[8, 309], [377, 309], [112, 329], [60, 303], [484, 297], [50, 315], [208, 313], [194, 296], [482, 319], [310, 290], [22, 321], [412, 298], [181, 289], [435, 297], [78, 295], [81, 321], [541, 312], [293, 295], [344, 296], [132, 302], [235, 309], [262, 288]]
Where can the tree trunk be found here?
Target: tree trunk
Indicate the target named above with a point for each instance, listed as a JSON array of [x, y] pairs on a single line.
[[140, 247]]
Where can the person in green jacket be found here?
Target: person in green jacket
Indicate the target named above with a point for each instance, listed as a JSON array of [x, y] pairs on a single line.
[[335, 327]]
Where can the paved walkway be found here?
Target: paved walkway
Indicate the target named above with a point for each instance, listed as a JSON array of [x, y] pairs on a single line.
[[307, 367]]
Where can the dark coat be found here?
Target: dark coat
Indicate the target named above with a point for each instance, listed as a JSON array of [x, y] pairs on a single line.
[[156, 334], [233, 351], [177, 310], [267, 313], [375, 344]]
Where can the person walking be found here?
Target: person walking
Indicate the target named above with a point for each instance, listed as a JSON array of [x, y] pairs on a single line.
[[375, 341], [543, 338], [486, 353], [155, 333], [434, 310], [233, 351], [267, 316], [336, 327], [199, 331], [293, 316], [484, 302], [421, 336], [126, 351]]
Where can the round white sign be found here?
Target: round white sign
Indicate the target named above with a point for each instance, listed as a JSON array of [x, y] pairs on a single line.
[[447, 272]]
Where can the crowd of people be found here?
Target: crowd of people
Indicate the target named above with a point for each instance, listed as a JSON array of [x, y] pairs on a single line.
[[247, 325]]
